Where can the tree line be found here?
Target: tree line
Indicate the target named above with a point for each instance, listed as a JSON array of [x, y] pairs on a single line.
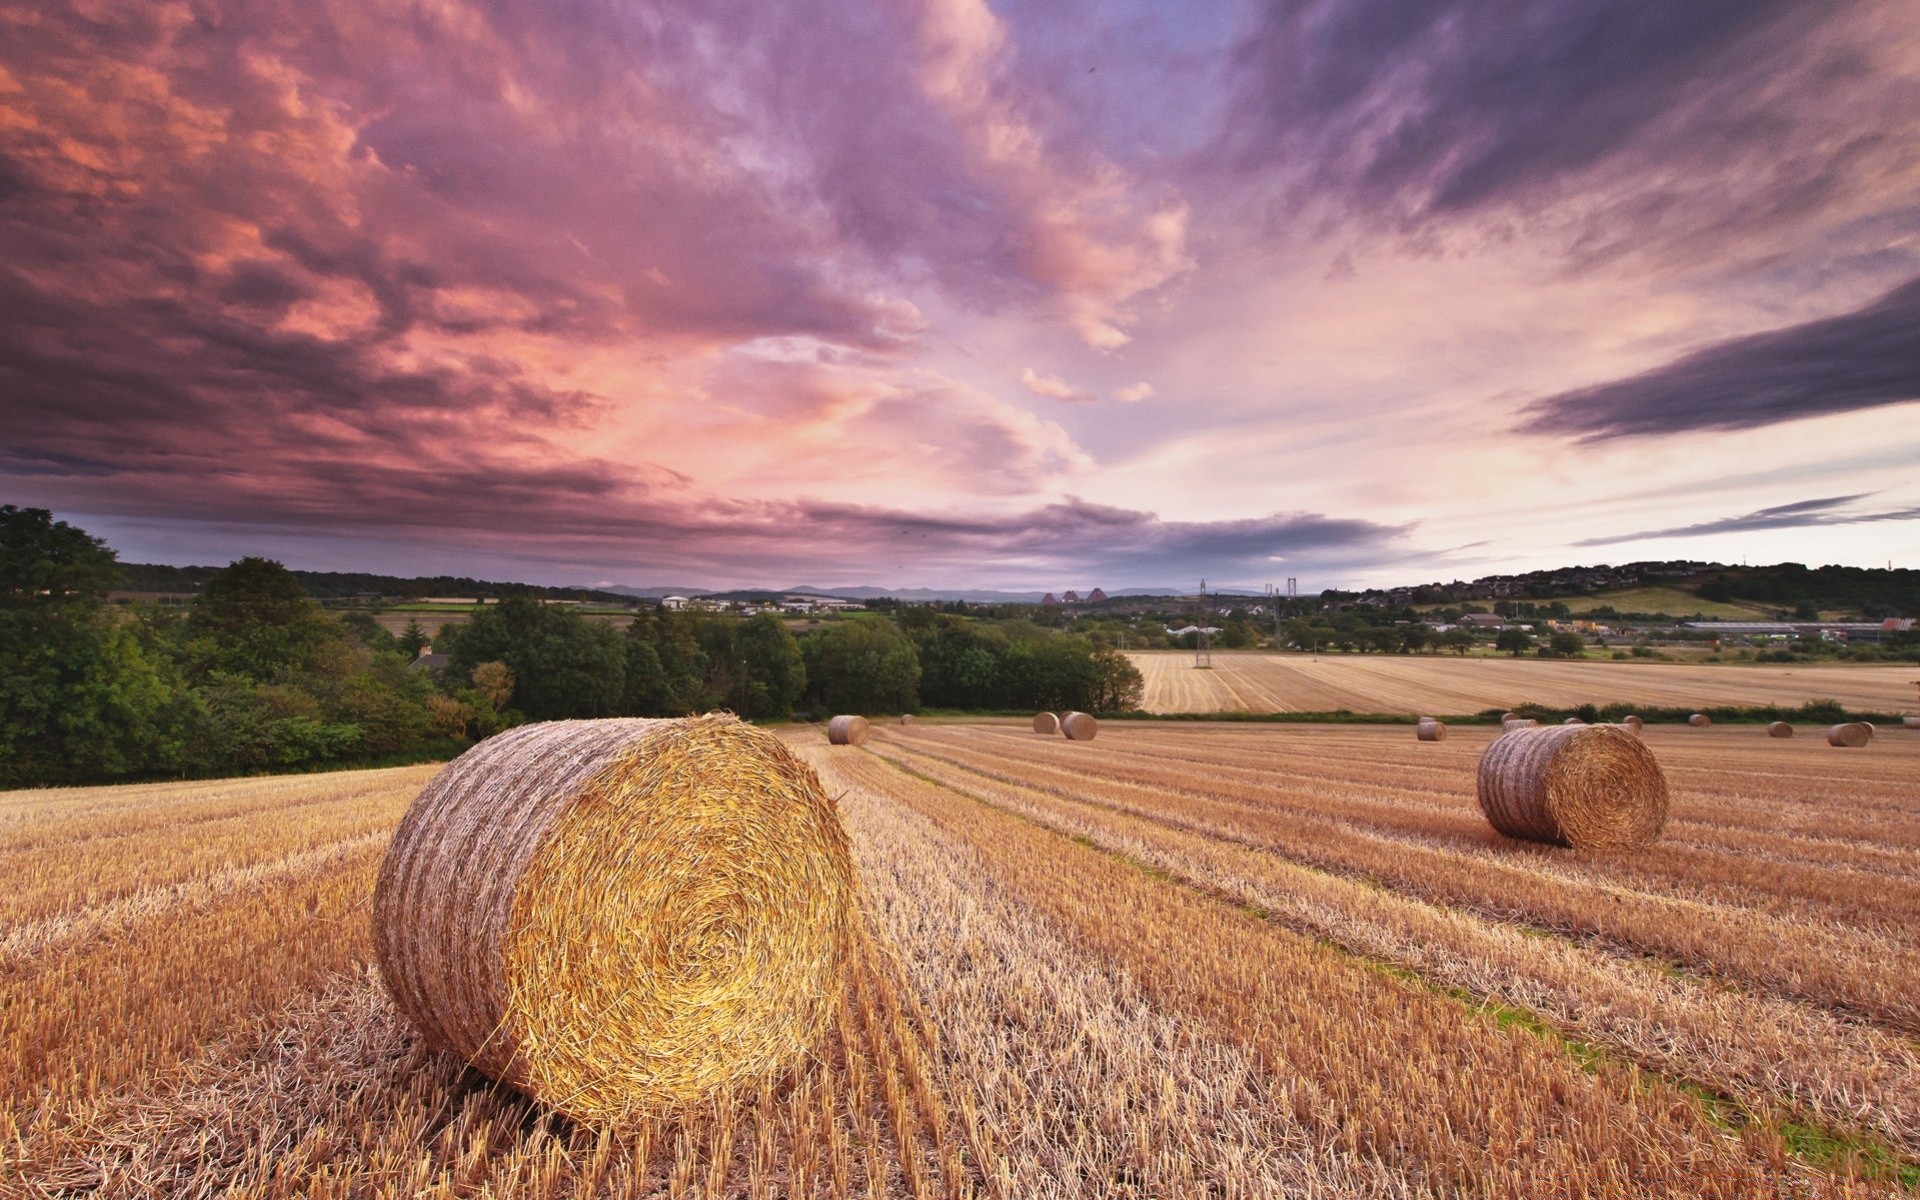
[[255, 675]]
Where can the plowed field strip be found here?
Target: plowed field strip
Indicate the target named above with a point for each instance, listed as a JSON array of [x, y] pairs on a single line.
[[1319, 1013], [126, 1006], [70, 876], [1374, 683], [1764, 1051], [101, 813], [1794, 958], [1716, 874], [1874, 808]]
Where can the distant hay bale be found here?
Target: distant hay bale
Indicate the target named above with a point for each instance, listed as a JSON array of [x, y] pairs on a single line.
[[1779, 729], [1633, 722], [1699, 720], [1511, 716], [1518, 723], [1430, 730], [1591, 787], [906, 718], [1078, 726], [619, 917], [847, 730], [1573, 721], [1046, 722], [1910, 722], [1852, 735]]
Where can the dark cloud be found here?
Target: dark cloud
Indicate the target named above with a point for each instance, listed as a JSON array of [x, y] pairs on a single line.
[[1650, 119], [1862, 359], [1799, 514]]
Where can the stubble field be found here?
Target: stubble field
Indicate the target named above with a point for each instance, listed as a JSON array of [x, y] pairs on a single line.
[[1395, 683], [1176, 961]]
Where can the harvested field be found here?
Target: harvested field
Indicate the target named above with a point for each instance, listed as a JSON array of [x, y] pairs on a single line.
[[1446, 684], [1177, 961]]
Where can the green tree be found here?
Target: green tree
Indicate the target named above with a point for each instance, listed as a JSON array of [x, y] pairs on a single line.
[[863, 666], [255, 620], [771, 673], [413, 639], [563, 665], [82, 695], [1514, 641], [1458, 640], [1565, 645]]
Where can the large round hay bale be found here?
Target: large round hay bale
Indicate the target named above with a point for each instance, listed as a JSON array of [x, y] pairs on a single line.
[[1518, 723], [847, 730], [1852, 735], [1779, 729], [1910, 722], [1046, 722], [1592, 787], [1699, 720], [619, 917], [1633, 721], [1430, 730], [1078, 726]]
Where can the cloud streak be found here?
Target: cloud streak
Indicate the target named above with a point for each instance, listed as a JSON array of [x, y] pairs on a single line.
[[1798, 515], [1863, 359]]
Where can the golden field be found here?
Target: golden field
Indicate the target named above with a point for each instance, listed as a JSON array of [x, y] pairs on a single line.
[[1250, 681], [1181, 960]]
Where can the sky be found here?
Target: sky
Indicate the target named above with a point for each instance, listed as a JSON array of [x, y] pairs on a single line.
[[942, 293]]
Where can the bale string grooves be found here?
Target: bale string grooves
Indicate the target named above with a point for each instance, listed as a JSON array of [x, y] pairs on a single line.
[[619, 917], [1592, 787]]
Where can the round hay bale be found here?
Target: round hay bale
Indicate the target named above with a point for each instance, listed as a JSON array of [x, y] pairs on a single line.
[[1779, 729], [1518, 723], [1699, 720], [1852, 735], [1430, 730], [1633, 722], [1573, 721], [619, 917], [1078, 726], [1046, 722], [1910, 722], [1511, 716], [1592, 787], [847, 730], [906, 718]]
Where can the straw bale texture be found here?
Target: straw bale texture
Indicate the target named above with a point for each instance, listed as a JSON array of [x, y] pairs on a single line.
[[847, 730], [1430, 730], [1593, 787], [1078, 726], [1518, 723], [1779, 729], [1852, 735], [1046, 722], [1699, 720], [619, 917]]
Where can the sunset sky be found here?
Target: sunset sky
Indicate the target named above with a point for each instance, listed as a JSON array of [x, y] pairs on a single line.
[[1030, 294]]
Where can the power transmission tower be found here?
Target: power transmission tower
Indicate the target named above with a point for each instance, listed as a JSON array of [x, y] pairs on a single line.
[[1203, 650]]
